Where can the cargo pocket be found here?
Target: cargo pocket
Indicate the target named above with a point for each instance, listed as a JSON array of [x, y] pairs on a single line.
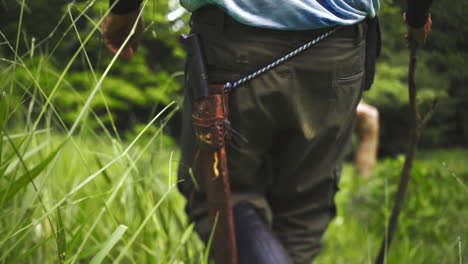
[[348, 85]]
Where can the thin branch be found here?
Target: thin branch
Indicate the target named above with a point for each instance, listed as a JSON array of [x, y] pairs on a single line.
[[416, 129]]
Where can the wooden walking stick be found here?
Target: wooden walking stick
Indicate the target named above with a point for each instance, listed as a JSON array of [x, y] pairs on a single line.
[[416, 128]]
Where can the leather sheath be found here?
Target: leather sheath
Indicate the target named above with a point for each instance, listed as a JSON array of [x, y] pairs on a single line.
[[210, 121]]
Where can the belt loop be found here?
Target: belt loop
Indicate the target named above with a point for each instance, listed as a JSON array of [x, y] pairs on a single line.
[[220, 18], [361, 30]]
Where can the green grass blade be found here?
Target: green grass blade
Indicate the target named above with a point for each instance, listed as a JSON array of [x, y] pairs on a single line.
[[3, 118], [6, 163], [120, 183], [61, 237], [75, 240], [29, 175], [210, 241], [184, 238], [110, 243], [140, 228], [30, 251], [12, 164], [104, 172]]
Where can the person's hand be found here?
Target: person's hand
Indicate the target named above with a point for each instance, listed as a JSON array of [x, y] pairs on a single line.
[[416, 37], [117, 27]]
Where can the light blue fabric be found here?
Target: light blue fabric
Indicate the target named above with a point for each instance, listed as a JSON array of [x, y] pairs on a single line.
[[293, 14]]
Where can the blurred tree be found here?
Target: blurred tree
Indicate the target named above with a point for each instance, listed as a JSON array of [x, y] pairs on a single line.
[[440, 75], [137, 89], [448, 49], [134, 90]]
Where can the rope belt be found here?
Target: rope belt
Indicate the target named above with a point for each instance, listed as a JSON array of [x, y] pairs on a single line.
[[229, 87]]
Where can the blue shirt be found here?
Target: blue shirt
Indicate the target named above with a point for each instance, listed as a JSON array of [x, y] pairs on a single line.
[[293, 14]]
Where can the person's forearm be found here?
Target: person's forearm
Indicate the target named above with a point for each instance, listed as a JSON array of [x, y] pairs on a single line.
[[417, 12], [124, 6]]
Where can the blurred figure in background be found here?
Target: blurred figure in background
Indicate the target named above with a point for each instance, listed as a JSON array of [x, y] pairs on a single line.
[[367, 130]]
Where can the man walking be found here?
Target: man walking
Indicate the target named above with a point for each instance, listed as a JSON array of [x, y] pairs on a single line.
[[292, 123]]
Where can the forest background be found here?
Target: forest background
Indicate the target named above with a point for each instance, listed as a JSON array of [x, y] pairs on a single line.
[[89, 152]]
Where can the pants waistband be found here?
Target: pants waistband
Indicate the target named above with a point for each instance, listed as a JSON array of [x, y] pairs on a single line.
[[215, 18]]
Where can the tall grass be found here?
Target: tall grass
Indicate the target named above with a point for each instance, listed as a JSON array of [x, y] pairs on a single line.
[[432, 227], [71, 194], [81, 192]]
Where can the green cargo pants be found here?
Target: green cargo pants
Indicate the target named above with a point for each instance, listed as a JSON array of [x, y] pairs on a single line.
[[294, 123]]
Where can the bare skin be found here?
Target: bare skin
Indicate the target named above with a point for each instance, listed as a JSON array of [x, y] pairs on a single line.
[[367, 128], [117, 27]]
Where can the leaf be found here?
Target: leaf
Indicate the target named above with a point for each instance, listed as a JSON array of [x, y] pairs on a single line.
[[3, 111], [185, 236], [29, 175], [110, 243], [3, 117], [61, 237], [30, 251], [74, 240], [7, 161], [210, 240], [104, 173]]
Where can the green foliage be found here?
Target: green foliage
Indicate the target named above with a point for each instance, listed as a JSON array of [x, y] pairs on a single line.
[[439, 76], [62, 202], [71, 203], [432, 224], [133, 91], [138, 194], [30, 174]]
